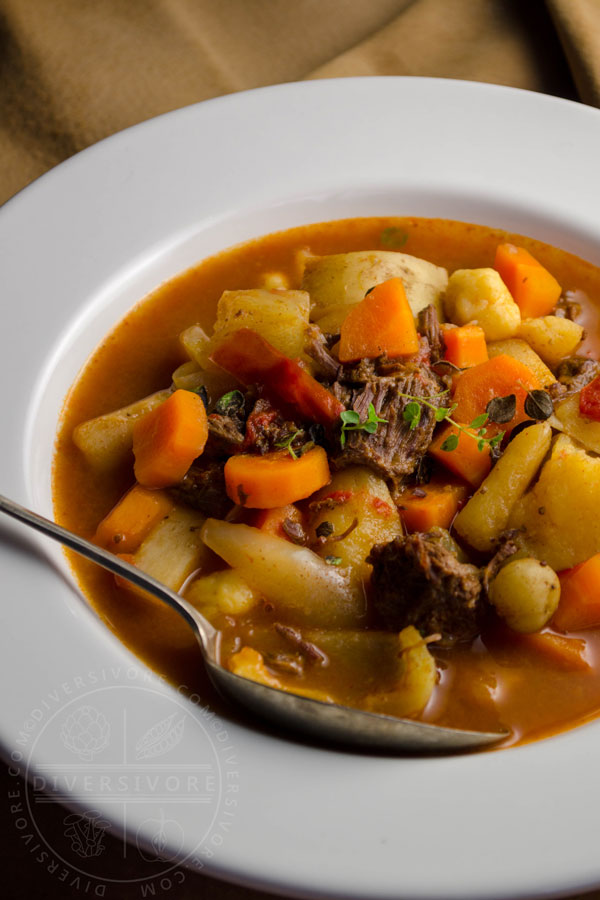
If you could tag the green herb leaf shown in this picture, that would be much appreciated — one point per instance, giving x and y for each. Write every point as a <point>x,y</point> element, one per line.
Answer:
<point>538,405</point>
<point>350,417</point>
<point>393,237</point>
<point>287,444</point>
<point>450,444</point>
<point>478,421</point>
<point>351,422</point>
<point>325,529</point>
<point>203,394</point>
<point>230,403</point>
<point>441,413</point>
<point>333,560</point>
<point>502,409</point>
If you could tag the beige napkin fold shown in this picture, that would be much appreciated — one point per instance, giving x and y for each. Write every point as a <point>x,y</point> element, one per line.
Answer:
<point>74,71</point>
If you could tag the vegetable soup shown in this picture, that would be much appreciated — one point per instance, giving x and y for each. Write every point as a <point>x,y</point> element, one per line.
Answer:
<point>369,452</point>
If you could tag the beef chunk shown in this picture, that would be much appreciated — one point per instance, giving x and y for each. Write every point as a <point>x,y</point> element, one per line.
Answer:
<point>226,432</point>
<point>418,581</point>
<point>395,449</point>
<point>429,327</point>
<point>573,374</point>
<point>266,427</point>
<point>203,488</point>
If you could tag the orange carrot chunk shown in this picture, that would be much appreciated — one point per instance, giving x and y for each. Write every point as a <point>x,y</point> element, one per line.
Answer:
<point>430,506</point>
<point>382,323</point>
<point>134,516</point>
<point>467,460</point>
<point>534,289</point>
<point>275,479</point>
<point>168,439</point>
<point>465,346</point>
<point>272,520</point>
<point>561,652</point>
<point>579,605</point>
<point>498,377</point>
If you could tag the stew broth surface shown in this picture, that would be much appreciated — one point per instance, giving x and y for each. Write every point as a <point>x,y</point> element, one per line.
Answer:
<point>489,683</point>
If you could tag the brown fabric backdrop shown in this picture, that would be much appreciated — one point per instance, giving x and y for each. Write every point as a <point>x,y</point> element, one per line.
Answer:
<point>75,71</point>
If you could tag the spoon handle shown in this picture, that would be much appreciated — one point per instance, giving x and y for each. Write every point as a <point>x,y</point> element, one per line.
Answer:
<point>202,627</point>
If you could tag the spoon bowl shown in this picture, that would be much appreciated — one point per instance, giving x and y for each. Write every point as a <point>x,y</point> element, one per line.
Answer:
<point>327,721</point>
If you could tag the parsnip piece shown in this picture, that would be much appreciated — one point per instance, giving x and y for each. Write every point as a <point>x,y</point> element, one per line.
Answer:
<point>106,440</point>
<point>344,278</point>
<point>299,583</point>
<point>174,548</point>
<point>224,592</point>
<point>486,514</point>
<point>560,512</point>
<point>480,296</point>
<point>370,506</point>
<point>521,351</point>
<point>188,376</point>
<point>551,337</point>
<point>281,317</point>
<point>567,418</point>
<point>525,593</point>
<point>416,680</point>
<point>197,345</point>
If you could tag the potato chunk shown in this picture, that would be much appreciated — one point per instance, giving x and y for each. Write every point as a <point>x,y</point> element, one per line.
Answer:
<point>521,350</point>
<point>417,678</point>
<point>222,592</point>
<point>480,296</point>
<point>567,418</point>
<point>551,337</point>
<point>279,316</point>
<point>486,514</point>
<point>107,440</point>
<point>367,505</point>
<point>302,587</point>
<point>560,512</point>
<point>198,347</point>
<point>344,278</point>
<point>525,593</point>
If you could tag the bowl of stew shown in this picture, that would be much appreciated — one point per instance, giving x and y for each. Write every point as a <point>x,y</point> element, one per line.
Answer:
<point>347,404</point>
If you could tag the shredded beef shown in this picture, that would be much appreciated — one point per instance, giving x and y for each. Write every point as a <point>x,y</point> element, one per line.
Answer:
<point>573,374</point>
<point>316,348</point>
<point>429,327</point>
<point>417,581</point>
<point>266,427</point>
<point>395,449</point>
<point>506,547</point>
<point>203,488</point>
<point>226,432</point>
<point>568,307</point>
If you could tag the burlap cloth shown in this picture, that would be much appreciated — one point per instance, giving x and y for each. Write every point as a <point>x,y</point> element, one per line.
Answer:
<point>75,71</point>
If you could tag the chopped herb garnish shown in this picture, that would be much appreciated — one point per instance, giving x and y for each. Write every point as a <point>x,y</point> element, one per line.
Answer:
<point>229,404</point>
<point>325,529</point>
<point>351,422</point>
<point>393,237</point>
<point>413,411</point>
<point>502,409</point>
<point>538,405</point>
<point>286,444</point>
<point>333,560</point>
<point>316,433</point>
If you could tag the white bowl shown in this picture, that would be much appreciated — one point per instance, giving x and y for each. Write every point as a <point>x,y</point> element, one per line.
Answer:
<point>91,238</point>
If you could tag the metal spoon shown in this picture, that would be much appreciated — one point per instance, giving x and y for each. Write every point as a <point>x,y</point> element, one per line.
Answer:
<point>352,727</point>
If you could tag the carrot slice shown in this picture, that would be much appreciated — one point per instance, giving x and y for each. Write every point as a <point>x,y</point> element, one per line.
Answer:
<point>275,479</point>
<point>430,506</point>
<point>134,516</point>
<point>168,439</point>
<point>579,606</point>
<point>465,346</point>
<point>498,377</point>
<point>272,520</point>
<point>382,323</point>
<point>467,460</point>
<point>563,652</point>
<point>534,289</point>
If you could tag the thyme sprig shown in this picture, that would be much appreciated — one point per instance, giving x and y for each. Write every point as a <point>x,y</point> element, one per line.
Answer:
<point>413,411</point>
<point>351,422</point>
